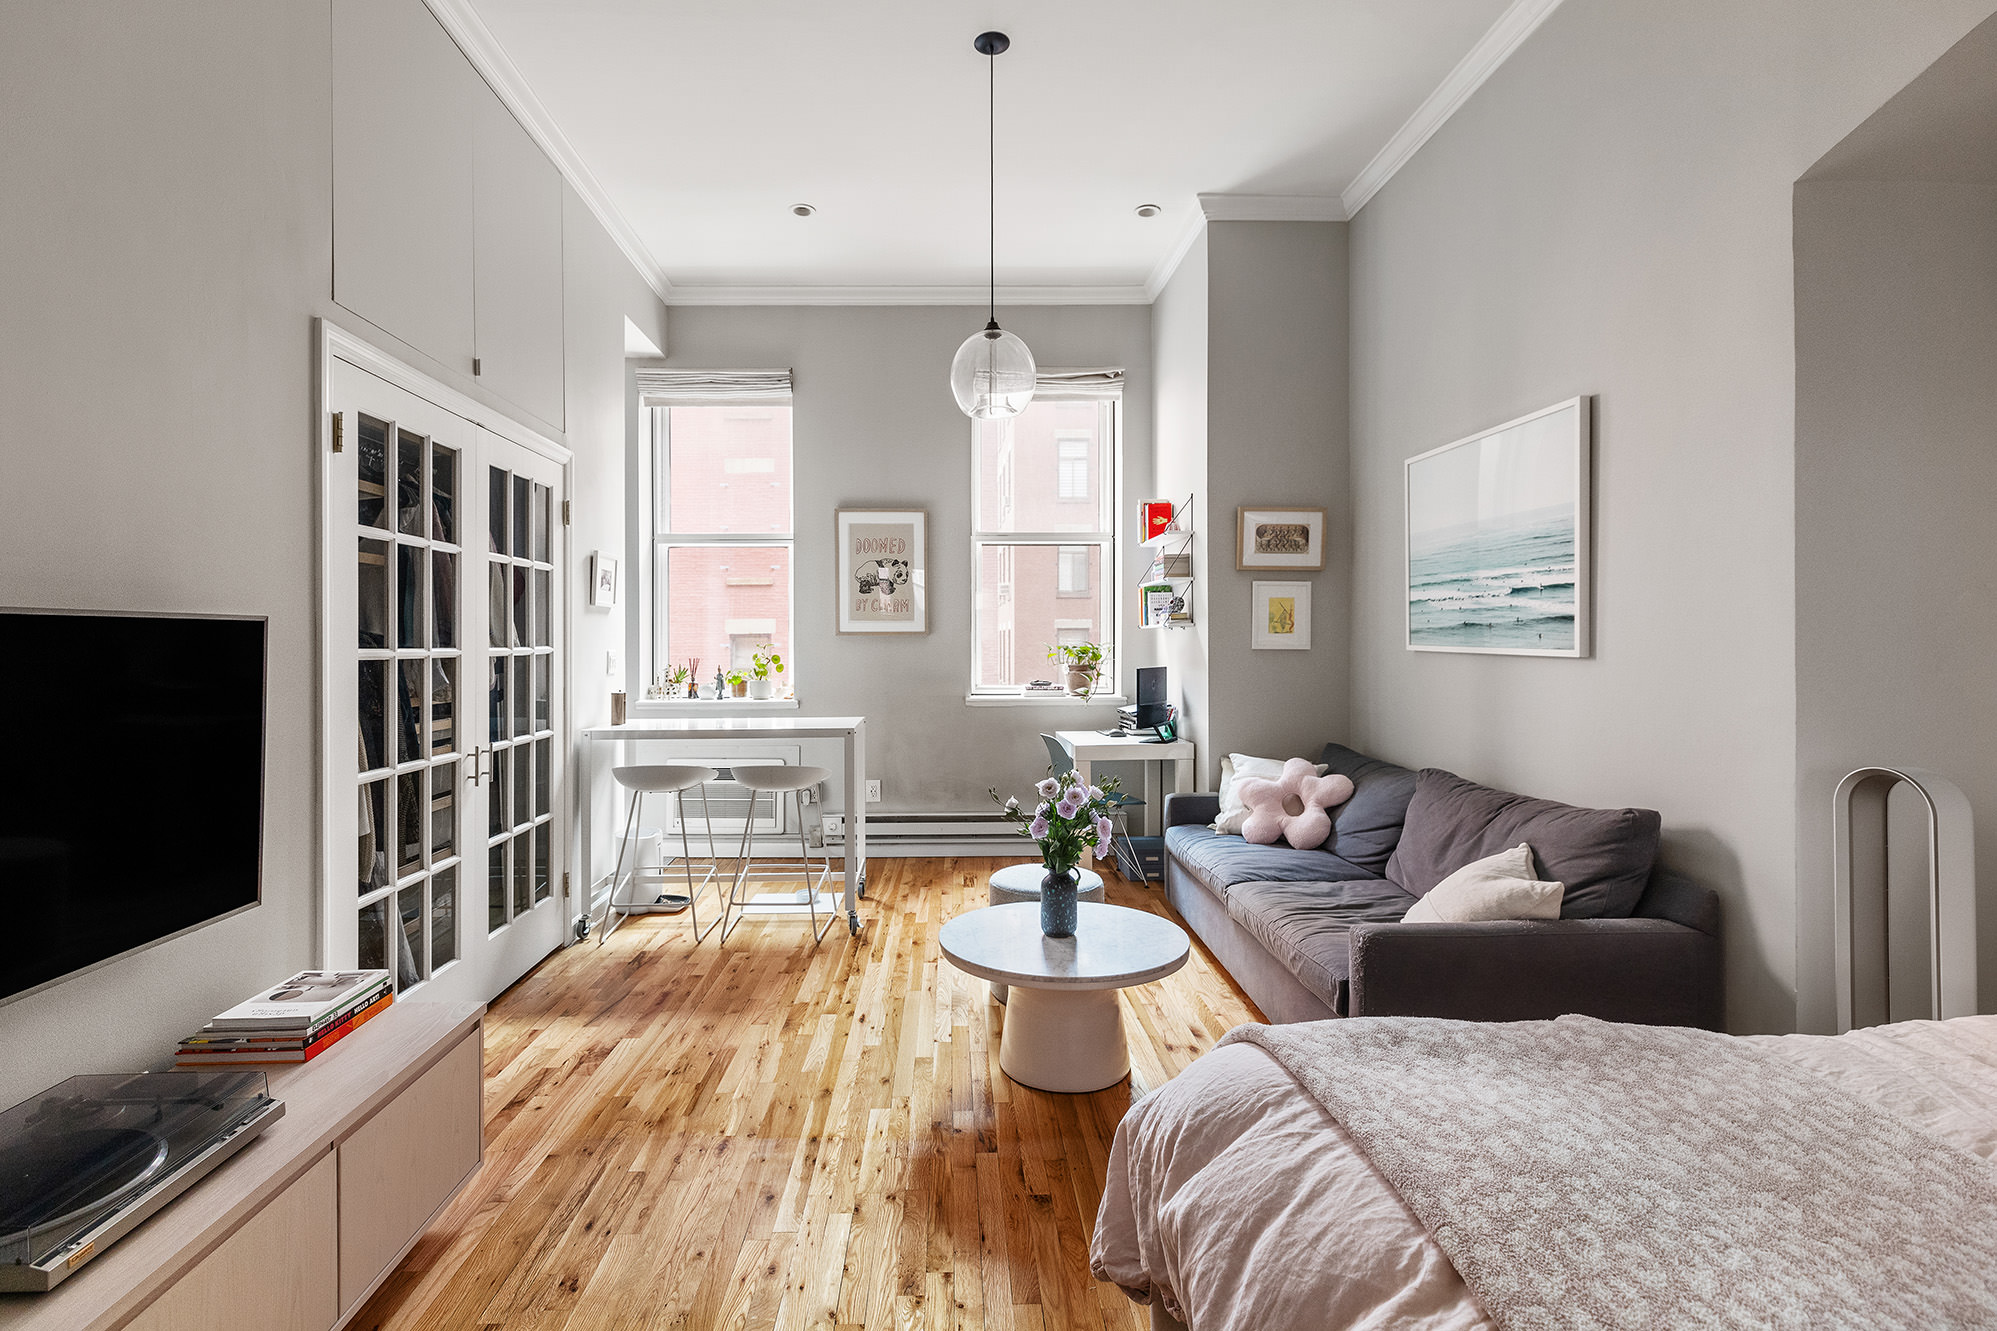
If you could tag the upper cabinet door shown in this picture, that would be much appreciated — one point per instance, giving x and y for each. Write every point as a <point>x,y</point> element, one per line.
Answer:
<point>404,103</point>
<point>517,219</point>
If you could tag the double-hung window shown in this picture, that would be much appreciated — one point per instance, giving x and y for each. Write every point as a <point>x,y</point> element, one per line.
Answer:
<point>1044,548</point>
<point>721,576</point>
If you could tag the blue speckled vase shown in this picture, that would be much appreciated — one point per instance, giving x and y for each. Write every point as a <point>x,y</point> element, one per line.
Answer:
<point>1057,903</point>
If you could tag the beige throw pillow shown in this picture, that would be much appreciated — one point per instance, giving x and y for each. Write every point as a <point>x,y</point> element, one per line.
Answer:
<point>1498,887</point>
<point>1234,768</point>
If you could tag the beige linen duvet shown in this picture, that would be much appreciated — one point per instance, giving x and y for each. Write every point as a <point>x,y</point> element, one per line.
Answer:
<point>1238,1204</point>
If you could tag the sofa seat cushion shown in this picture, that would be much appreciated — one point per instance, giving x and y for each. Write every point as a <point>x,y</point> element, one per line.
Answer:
<point>1365,829</point>
<point>1219,862</point>
<point>1604,856</point>
<point>1306,925</point>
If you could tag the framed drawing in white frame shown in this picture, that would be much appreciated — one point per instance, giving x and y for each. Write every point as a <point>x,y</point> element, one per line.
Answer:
<point>1498,549</point>
<point>1279,538</point>
<point>1280,616</point>
<point>602,579</point>
<point>882,570</point>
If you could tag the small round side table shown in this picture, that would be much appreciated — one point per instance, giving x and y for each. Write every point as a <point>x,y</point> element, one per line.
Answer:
<point>1021,882</point>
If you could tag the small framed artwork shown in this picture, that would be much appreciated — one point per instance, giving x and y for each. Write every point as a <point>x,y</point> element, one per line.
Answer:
<point>1281,619</point>
<point>882,570</point>
<point>602,579</point>
<point>1290,538</point>
<point>1498,538</point>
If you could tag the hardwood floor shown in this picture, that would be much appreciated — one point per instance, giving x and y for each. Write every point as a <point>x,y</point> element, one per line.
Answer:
<point>771,1135</point>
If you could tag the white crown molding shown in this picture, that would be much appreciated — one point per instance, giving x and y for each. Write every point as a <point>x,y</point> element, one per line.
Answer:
<point>1240,208</point>
<point>1492,50</point>
<point>684,294</point>
<point>1272,208</point>
<point>489,58</point>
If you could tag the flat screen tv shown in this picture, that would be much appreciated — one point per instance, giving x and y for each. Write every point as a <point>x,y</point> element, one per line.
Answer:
<point>131,785</point>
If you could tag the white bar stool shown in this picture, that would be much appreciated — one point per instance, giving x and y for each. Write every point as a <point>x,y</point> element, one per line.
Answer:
<point>776,781</point>
<point>663,780</point>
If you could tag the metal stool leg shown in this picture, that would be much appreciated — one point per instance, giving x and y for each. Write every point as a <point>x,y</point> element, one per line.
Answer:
<point>610,901</point>
<point>741,872</point>
<point>810,887</point>
<point>686,863</point>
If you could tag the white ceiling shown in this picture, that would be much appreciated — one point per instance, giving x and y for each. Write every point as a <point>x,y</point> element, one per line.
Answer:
<point>704,120</point>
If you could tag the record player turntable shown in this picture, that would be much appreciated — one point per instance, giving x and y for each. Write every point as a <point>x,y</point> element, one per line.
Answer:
<point>82,1163</point>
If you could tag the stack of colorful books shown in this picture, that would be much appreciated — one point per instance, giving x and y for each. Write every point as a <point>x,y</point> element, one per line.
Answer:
<point>289,1023</point>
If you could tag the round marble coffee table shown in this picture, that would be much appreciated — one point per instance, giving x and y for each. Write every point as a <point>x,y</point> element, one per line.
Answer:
<point>1021,882</point>
<point>1063,1027</point>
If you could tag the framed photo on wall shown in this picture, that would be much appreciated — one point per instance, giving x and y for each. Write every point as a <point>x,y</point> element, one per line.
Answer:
<point>883,570</point>
<point>1290,538</point>
<point>1498,538</point>
<point>1280,616</point>
<point>602,579</point>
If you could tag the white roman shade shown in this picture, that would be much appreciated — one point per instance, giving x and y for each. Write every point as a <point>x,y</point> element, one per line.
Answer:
<point>1073,385</point>
<point>665,388</point>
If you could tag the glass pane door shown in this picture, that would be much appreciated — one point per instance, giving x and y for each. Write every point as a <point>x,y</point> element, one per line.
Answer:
<point>423,505</point>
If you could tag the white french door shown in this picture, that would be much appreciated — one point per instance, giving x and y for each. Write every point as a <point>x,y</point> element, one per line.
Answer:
<point>444,674</point>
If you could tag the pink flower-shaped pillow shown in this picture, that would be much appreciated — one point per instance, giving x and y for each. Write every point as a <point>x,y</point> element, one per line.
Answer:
<point>1293,806</point>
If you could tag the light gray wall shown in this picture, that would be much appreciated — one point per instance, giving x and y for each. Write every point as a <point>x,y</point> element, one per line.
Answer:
<point>167,220</point>
<point>1179,364</point>
<point>1896,485</point>
<point>1610,214</point>
<point>874,424</point>
<point>1277,414</point>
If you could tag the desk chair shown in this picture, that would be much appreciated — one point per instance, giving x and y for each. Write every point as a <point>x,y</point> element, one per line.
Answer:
<point>662,780</point>
<point>1060,763</point>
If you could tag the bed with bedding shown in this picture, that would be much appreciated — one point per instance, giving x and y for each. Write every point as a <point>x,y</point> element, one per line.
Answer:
<point>1405,1172</point>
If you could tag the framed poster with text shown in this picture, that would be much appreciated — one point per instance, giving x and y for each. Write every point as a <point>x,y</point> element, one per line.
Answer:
<point>883,570</point>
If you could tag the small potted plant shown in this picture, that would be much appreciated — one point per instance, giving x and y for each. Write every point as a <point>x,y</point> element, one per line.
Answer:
<point>676,681</point>
<point>1083,662</point>
<point>1070,819</point>
<point>762,665</point>
<point>738,684</point>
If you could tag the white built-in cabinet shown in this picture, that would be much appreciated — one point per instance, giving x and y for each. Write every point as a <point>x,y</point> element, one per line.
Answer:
<point>296,1231</point>
<point>447,217</point>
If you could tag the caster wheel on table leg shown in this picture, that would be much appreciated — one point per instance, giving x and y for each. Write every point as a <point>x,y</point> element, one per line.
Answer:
<point>853,923</point>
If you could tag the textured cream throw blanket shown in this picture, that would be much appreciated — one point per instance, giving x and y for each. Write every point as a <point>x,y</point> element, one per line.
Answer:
<point>1584,1174</point>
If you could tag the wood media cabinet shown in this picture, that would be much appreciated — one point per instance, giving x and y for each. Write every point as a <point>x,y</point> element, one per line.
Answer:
<point>295,1232</point>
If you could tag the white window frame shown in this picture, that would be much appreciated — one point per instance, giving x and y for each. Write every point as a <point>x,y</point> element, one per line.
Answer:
<point>1110,594</point>
<point>1072,559</point>
<point>1063,471</point>
<point>658,425</point>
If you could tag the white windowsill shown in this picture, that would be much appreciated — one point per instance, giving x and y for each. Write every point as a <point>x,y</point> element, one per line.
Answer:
<point>1042,700</point>
<point>695,706</point>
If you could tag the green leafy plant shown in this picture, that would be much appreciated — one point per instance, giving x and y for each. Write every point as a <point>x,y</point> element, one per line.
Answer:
<point>766,662</point>
<point>677,677</point>
<point>1069,819</point>
<point>1080,658</point>
<point>737,678</point>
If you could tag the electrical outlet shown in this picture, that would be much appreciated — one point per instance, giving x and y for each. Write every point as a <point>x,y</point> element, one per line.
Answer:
<point>610,663</point>
<point>873,792</point>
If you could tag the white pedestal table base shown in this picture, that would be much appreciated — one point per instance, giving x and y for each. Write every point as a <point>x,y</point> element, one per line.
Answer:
<point>1066,1040</point>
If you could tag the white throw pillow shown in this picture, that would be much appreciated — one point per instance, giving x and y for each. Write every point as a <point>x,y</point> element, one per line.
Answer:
<point>1498,887</point>
<point>1235,768</point>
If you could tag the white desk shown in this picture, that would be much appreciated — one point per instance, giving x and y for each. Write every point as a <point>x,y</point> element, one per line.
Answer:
<point>851,729</point>
<point>1088,747</point>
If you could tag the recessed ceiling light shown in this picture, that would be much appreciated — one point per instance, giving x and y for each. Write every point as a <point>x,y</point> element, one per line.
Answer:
<point>802,209</point>
<point>1148,210</point>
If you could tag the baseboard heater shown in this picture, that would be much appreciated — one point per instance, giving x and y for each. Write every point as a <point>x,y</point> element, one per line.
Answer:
<point>891,835</point>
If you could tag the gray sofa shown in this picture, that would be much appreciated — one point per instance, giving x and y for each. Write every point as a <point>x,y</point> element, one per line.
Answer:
<point>1310,934</point>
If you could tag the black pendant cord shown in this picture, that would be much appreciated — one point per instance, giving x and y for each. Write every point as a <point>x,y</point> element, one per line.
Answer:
<point>991,184</point>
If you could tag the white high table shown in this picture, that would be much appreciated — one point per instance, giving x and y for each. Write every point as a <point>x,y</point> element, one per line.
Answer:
<point>851,729</point>
<point>1063,1027</point>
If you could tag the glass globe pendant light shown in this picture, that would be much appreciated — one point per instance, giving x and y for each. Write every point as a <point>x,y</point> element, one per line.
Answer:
<point>993,374</point>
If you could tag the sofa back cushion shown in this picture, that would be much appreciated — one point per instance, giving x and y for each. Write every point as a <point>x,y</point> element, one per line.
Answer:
<point>1604,856</point>
<point>1365,829</point>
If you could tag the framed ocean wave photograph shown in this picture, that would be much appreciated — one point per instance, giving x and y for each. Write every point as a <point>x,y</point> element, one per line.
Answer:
<point>1498,540</point>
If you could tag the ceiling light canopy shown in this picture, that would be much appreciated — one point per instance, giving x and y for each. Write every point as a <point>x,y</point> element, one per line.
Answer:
<point>803,209</point>
<point>993,374</point>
